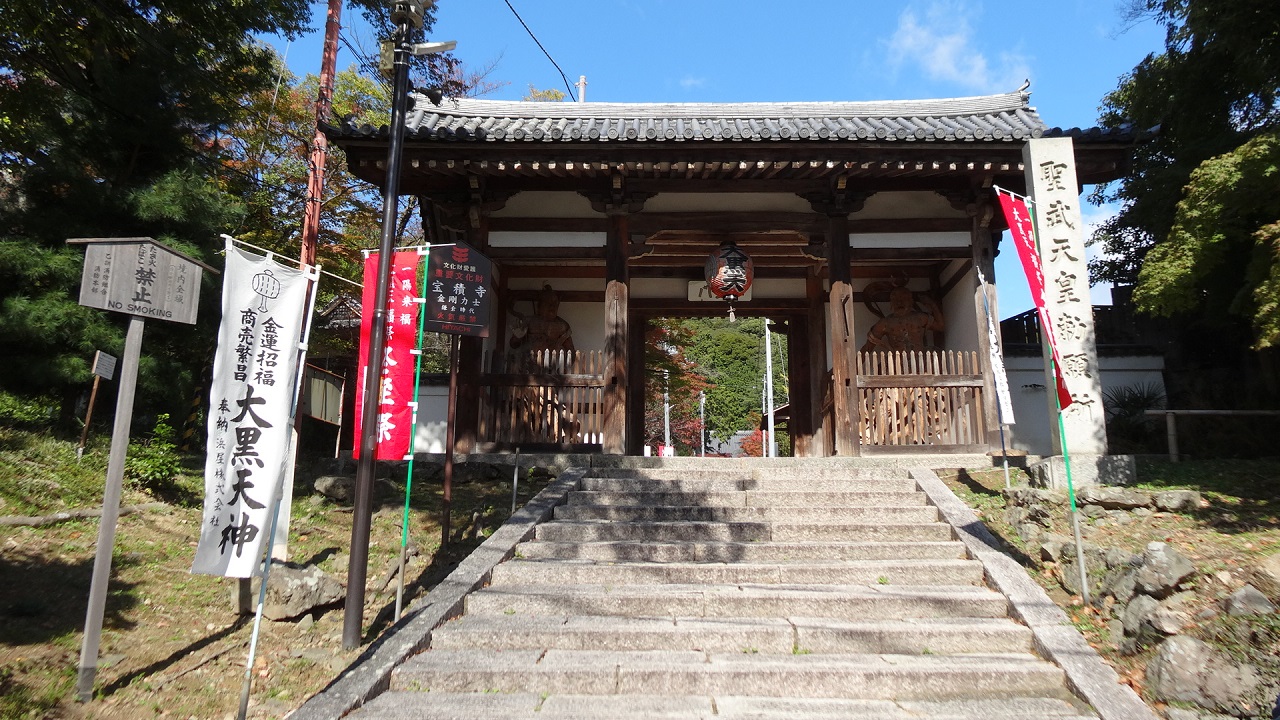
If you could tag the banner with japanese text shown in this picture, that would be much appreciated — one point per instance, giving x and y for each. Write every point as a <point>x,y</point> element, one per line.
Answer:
<point>395,402</point>
<point>1022,229</point>
<point>255,376</point>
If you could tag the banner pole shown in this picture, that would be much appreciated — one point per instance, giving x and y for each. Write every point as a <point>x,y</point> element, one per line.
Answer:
<point>515,481</point>
<point>413,432</point>
<point>1062,441</point>
<point>247,686</point>
<point>1004,452</point>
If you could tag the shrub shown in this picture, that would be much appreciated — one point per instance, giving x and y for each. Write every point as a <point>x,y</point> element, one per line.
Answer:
<point>154,463</point>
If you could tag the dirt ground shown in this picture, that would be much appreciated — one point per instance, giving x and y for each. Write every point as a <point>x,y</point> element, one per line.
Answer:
<point>173,644</point>
<point>1238,523</point>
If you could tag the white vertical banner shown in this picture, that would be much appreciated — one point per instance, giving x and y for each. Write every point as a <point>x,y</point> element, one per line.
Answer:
<point>998,373</point>
<point>250,410</point>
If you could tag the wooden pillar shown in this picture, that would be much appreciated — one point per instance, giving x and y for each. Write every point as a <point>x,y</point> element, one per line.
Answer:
<point>617,293</point>
<point>637,327</point>
<point>843,341</point>
<point>816,318</point>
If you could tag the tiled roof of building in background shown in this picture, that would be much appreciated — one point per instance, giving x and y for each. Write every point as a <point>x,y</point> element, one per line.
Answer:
<point>988,118</point>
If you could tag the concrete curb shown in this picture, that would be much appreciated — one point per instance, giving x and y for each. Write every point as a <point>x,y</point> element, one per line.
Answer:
<point>1054,636</point>
<point>370,674</point>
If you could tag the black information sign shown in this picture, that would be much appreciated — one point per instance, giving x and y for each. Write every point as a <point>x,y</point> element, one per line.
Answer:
<point>457,290</point>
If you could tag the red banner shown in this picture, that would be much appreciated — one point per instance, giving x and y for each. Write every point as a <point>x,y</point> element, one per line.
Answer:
<point>1022,228</point>
<point>395,410</point>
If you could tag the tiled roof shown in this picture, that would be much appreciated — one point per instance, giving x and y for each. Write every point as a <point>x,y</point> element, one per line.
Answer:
<point>988,118</point>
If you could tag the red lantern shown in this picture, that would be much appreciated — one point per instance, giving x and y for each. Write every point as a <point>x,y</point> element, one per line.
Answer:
<point>729,272</point>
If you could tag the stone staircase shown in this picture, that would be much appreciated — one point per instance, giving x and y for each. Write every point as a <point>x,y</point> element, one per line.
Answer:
<point>738,593</point>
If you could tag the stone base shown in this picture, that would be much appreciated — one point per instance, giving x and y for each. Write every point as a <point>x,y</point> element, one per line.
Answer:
<point>1085,470</point>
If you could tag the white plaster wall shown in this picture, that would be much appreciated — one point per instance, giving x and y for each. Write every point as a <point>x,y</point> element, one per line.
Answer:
<point>547,204</point>
<point>522,239</point>
<point>1030,404</point>
<point>727,202</point>
<point>907,204</point>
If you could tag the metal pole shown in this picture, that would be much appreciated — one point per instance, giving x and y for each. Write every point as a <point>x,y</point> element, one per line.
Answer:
<point>515,482</point>
<point>768,381</point>
<point>1171,434</point>
<point>666,408</point>
<point>110,511</point>
<point>702,419</point>
<point>413,436</point>
<point>358,565</point>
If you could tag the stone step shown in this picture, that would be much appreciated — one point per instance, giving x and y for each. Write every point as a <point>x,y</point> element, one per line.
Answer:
<point>749,498</point>
<point>779,636</point>
<point>667,552</point>
<point>852,572</point>
<point>722,484</point>
<point>628,513</point>
<point>590,531</point>
<point>436,705</point>
<point>864,677</point>
<point>883,602</point>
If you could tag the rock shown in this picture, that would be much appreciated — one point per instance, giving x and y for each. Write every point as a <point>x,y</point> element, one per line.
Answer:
<point>1113,498</point>
<point>1167,621</point>
<point>339,488</point>
<point>1093,511</point>
<point>1188,670</point>
<point>1051,549</point>
<point>294,590</point>
<point>1182,714</point>
<point>1137,614</point>
<point>1177,500</point>
<point>1249,601</point>
<point>1121,585</point>
<point>1142,512</point>
<point>1225,578</point>
<point>1266,576</point>
<point>1162,569</point>
<point>1030,533</point>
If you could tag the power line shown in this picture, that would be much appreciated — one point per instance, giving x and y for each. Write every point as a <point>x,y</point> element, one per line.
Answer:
<point>567,85</point>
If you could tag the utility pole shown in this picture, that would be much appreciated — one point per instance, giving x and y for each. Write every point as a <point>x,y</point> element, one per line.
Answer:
<point>320,143</point>
<point>407,16</point>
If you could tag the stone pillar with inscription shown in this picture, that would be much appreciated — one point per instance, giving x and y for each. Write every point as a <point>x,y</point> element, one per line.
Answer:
<point>1051,179</point>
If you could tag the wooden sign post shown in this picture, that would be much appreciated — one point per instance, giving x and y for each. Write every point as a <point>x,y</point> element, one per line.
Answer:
<point>142,278</point>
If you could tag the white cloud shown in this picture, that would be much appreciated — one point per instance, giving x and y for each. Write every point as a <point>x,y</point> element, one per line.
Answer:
<point>940,44</point>
<point>690,82</point>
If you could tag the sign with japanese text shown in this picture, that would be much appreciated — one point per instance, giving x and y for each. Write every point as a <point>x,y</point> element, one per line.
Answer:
<point>255,375</point>
<point>139,276</point>
<point>395,401</point>
<point>1050,167</point>
<point>458,291</point>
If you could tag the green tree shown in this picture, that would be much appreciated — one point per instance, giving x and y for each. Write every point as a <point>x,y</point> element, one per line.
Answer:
<point>548,95</point>
<point>150,119</point>
<point>1196,231</point>
<point>731,356</point>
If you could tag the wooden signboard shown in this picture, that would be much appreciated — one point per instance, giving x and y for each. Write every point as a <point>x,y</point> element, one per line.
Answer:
<point>457,290</point>
<point>139,276</point>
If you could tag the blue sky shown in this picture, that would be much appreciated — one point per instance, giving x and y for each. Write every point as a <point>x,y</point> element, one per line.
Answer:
<point>1073,51</point>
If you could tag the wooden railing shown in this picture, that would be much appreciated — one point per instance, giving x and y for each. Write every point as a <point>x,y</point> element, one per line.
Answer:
<point>928,401</point>
<point>545,398</point>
